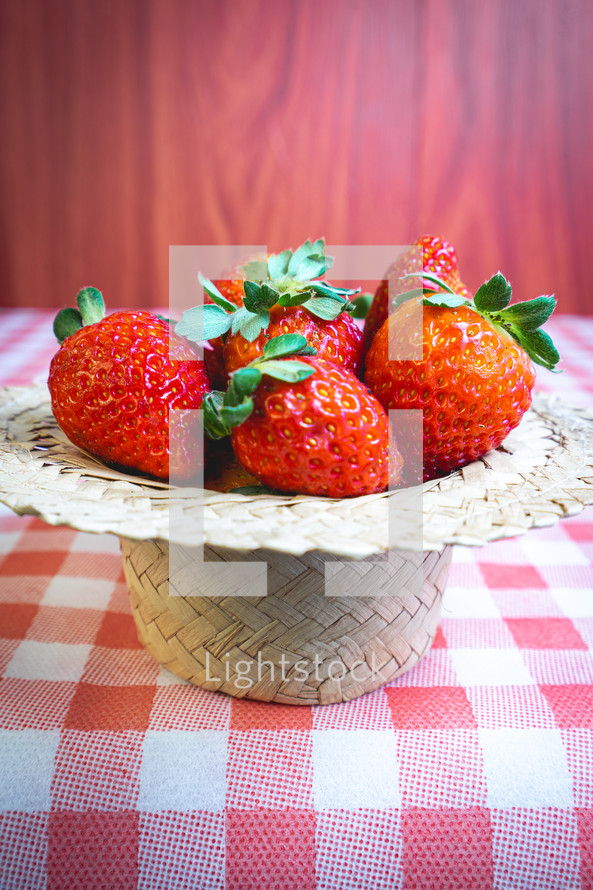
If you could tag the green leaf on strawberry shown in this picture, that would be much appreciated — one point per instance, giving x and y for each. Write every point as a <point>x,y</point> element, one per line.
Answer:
<point>285,345</point>
<point>324,307</point>
<point>255,270</point>
<point>428,276</point>
<point>292,280</point>
<point>285,369</point>
<point>249,324</point>
<point>539,347</point>
<point>259,297</point>
<point>493,295</point>
<point>361,306</point>
<point>297,299</point>
<point>531,314</point>
<point>278,263</point>
<point>204,323</point>
<point>223,411</point>
<point>91,309</point>
<point>91,305</point>
<point>450,301</point>
<point>66,323</point>
<point>215,295</point>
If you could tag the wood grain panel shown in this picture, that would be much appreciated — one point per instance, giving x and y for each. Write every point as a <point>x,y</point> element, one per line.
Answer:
<point>129,126</point>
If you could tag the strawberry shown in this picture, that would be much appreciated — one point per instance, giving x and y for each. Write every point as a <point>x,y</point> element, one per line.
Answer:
<point>291,299</point>
<point>305,426</point>
<point>231,284</point>
<point>438,257</point>
<point>338,340</point>
<point>113,381</point>
<point>223,470</point>
<point>474,381</point>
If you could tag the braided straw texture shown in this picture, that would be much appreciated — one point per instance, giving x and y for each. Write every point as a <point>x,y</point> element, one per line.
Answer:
<point>544,471</point>
<point>295,645</point>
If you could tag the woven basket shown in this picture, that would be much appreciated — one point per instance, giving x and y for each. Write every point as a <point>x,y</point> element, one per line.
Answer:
<point>294,645</point>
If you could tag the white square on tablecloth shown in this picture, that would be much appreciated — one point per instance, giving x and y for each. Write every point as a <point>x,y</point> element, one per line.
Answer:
<point>86,542</point>
<point>48,661</point>
<point>183,770</point>
<point>462,602</point>
<point>574,602</point>
<point>78,593</point>
<point>27,758</point>
<point>490,667</point>
<point>8,541</point>
<point>552,553</point>
<point>526,768</point>
<point>355,768</point>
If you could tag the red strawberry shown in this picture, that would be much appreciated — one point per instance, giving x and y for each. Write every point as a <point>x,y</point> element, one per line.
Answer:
<point>438,258</point>
<point>337,340</point>
<point>113,381</point>
<point>232,288</point>
<point>232,281</point>
<point>307,426</point>
<point>474,381</point>
<point>292,299</point>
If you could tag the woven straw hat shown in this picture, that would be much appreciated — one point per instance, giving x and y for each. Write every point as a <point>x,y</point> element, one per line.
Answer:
<point>332,647</point>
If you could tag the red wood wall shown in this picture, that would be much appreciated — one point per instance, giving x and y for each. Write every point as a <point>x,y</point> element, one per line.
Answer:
<point>130,125</point>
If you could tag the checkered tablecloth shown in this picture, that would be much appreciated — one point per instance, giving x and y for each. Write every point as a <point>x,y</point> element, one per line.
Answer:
<point>474,770</point>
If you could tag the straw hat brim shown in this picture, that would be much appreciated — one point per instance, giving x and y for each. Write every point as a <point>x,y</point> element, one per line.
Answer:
<point>543,471</point>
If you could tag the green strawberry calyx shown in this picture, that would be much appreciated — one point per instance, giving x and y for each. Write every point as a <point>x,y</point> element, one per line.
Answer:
<point>287,279</point>
<point>91,308</point>
<point>223,411</point>
<point>522,321</point>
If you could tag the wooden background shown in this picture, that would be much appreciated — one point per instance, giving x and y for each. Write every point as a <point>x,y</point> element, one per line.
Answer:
<point>130,125</point>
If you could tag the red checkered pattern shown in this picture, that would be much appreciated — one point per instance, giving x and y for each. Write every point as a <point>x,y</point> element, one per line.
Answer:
<point>474,770</point>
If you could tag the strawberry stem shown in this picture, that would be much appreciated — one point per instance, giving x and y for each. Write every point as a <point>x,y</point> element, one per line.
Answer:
<point>91,308</point>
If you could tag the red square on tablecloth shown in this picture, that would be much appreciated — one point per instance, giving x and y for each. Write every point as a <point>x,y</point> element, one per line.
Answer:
<point>545,633</point>
<point>448,849</point>
<point>269,849</point>
<point>118,631</point>
<point>32,562</point>
<point>585,830</point>
<point>41,536</point>
<point>15,619</point>
<point>92,851</point>
<point>439,707</point>
<point>579,531</point>
<point>24,589</point>
<point>439,640</point>
<point>572,705</point>
<point>110,707</point>
<point>513,576</point>
<point>264,715</point>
